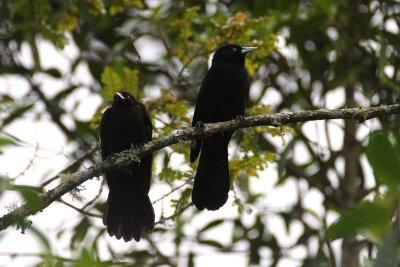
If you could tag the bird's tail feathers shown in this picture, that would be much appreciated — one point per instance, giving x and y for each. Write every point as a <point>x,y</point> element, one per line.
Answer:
<point>195,149</point>
<point>212,181</point>
<point>128,214</point>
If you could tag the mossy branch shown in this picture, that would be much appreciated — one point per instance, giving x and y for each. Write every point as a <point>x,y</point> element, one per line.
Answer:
<point>18,216</point>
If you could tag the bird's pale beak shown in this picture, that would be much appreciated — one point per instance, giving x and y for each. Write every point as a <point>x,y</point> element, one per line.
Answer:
<point>248,49</point>
<point>121,96</point>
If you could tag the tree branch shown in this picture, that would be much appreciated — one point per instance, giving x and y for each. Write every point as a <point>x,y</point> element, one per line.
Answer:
<point>19,215</point>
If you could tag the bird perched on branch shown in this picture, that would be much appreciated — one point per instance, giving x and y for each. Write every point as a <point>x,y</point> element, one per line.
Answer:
<point>128,213</point>
<point>222,97</point>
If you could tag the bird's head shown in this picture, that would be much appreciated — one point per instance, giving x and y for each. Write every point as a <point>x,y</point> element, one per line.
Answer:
<point>232,53</point>
<point>123,98</point>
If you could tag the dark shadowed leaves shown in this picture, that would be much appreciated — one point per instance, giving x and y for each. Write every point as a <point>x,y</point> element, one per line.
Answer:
<point>212,243</point>
<point>371,219</point>
<point>384,159</point>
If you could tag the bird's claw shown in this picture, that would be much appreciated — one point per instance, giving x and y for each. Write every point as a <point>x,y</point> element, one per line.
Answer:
<point>240,117</point>
<point>141,144</point>
<point>199,125</point>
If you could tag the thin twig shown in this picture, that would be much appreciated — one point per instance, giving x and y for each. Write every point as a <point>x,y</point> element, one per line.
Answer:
<point>95,197</point>
<point>86,155</point>
<point>30,164</point>
<point>172,191</point>
<point>78,209</point>
<point>164,259</point>
<point>172,216</point>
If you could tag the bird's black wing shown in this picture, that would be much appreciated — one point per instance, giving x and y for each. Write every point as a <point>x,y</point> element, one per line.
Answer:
<point>105,125</point>
<point>201,104</point>
<point>199,114</point>
<point>146,161</point>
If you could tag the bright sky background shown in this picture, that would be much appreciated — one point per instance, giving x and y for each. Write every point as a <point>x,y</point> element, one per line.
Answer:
<point>43,142</point>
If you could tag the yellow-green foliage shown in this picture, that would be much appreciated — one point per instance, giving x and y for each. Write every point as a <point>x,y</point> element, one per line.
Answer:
<point>250,164</point>
<point>70,20</point>
<point>37,16</point>
<point>96,7</point>
<point>115,80</point>
<point>119,6</point>
<point>175,110</point>
<point>258,109</point>
<point>239,28</point>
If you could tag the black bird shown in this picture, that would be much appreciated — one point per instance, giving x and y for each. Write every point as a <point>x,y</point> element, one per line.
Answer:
<point>128,213</point>
<point>222,97</point>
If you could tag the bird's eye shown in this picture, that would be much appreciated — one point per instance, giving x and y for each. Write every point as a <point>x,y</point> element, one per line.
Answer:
<point>234,49</point>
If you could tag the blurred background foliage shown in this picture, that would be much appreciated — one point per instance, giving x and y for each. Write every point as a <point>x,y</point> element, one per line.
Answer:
<point>312,54</point>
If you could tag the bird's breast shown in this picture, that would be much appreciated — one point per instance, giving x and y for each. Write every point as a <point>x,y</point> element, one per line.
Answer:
<point>128,129</point>
<point>224,95</point>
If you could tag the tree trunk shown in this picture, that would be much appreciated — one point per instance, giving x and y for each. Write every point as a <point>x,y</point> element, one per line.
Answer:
<point>350,182</point>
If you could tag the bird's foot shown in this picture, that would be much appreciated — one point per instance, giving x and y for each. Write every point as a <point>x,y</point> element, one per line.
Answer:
<point>141,144</point>
<point>199,125</point>
<point>240,117</point>
<point>108,159</point>
<point>138,145</point>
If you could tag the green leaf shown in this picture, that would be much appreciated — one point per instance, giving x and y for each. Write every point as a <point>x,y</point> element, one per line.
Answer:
<point>120,6</point>
<point>384,159</point>
<point>16,114</point>
<point>63,94</point>
<point>96,6</point>
<point>372,219</point>
<point>85,259</point>
<point>55,73</point>
<point>388,255</point>
<point>32,198</point>
<point>50,260</point>
<point>41,237</point>
<point>8,140</point>
<point>130,81</point>
<point>211,225</point>
<point>212,243</point>
<point>112,82</point>
<point>80,232</point>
